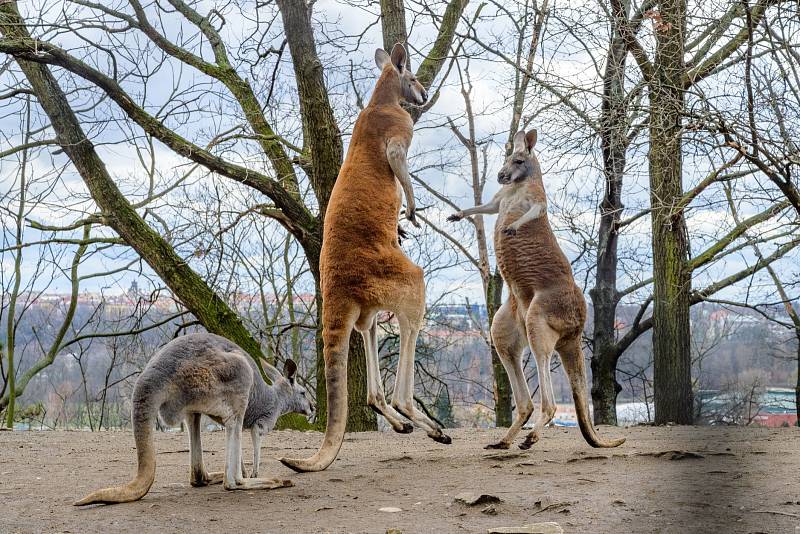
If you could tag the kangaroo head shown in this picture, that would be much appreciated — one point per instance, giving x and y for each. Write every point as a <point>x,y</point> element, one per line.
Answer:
<point>295,397</point>
<point>300,400</point>
<point>522,163</point>
<point>410,89</point>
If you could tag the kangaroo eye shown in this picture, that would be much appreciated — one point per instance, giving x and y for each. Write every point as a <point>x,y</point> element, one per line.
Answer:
<point>519,161</point>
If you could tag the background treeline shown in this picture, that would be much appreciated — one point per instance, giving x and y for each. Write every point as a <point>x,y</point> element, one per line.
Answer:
<point>89,385</point>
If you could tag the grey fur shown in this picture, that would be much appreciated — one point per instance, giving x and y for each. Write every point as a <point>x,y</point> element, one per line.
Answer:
<point>266,403</point>
<point>207,374</point>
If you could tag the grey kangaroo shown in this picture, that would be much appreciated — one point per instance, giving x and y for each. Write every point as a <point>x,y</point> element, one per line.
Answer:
<point>207,374</point>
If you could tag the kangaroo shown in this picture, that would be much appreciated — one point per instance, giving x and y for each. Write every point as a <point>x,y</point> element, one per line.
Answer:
<point>363,269</point>
<point>207,374</point>
<point>545,308</point>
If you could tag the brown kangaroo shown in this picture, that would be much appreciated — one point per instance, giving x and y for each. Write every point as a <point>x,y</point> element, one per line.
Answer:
<point>545,308</point>
<point>363,269</point>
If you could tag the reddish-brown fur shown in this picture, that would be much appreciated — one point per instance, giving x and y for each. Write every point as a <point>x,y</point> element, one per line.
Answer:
<point>545,308</point>
<point>362,262</point>
<point>363,269</point>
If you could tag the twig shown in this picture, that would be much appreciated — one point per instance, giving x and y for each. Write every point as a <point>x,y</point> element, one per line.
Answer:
<point>778,512</point>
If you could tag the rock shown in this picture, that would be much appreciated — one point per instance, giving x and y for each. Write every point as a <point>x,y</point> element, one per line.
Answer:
<point>549,527</point>
<point>471,499</point>
<point>390,509</point>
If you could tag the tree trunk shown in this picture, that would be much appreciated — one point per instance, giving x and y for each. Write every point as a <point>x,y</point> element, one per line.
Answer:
<point>502,385</point>
<point>797,383</point>
<point>12,298</point>
<point>360,417</point>
<point>393,23</point>
<point>671,275</point>
<point>613,139</point>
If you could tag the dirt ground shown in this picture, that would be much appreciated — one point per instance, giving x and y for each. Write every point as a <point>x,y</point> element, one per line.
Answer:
<point>737,480</point>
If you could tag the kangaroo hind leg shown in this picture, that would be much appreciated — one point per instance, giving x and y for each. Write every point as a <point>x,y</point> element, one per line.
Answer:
<point>199,476</point>
<point>509,340</point>
<point>376,398</point>
<point>233,479</point>
<point>410,317</point>
<point>542,339</point>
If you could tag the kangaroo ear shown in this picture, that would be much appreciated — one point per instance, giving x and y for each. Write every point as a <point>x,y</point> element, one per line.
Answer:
<point>519,142</point>
<point>273,374</point>
<point>530,139</point>
<point>289,369</point>
<point>399,57</point>
<point>381,58</point>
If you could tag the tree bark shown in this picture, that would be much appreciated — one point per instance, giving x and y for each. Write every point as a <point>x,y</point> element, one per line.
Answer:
<point>613,139</point>
<point>321,134</point>
<point>797,383</point>
<point>672,280</point>
<point>393,23</point>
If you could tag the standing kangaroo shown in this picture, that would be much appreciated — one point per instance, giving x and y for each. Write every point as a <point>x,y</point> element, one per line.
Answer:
<point>207,374</point>
<point>363,269</point>
<point>545,308</point>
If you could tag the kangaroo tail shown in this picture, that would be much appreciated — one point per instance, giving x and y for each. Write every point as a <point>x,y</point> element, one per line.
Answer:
<point>145,407</point>
<point>336,339</point>
<point>572,358</point>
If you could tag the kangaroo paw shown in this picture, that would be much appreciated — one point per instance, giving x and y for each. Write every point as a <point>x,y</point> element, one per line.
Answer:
<point>406,428</point>
<point>530,440</point>
<point>441,438</point>
<point>259,483</point>
<point>206,479</point>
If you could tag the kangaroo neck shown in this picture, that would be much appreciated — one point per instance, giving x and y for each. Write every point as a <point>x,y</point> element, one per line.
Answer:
<point>387,89</point>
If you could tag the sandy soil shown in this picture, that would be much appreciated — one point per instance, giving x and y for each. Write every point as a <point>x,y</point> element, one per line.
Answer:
<point>740,480</point>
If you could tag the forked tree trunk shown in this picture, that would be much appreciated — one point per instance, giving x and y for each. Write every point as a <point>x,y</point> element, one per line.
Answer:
<point>185,283</point>
<point>614,142</point>
<point>671,275</point>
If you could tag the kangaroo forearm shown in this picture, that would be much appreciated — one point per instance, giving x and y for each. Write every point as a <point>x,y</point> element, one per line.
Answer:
<point>536,211</point>
<point>396,154</point>
<point>486,209</point>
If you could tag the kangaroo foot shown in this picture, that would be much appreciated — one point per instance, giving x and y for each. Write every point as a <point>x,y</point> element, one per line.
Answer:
<point>258,483</point>
<point>207,479</point>
<point>440,437</point>
<point>530,440</point>
<point>406,428</point>
<point>502,445</point>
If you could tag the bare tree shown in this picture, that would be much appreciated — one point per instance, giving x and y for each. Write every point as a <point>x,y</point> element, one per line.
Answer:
<point>318,159</point>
